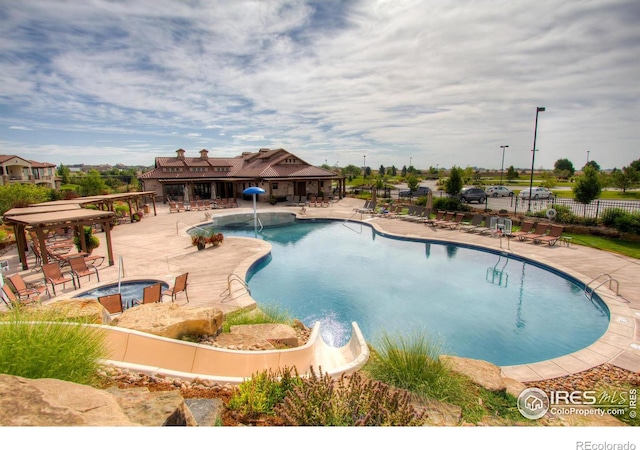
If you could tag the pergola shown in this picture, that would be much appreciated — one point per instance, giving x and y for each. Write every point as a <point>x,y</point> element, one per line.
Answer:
<point>41,219</point>
<point>107,201</point>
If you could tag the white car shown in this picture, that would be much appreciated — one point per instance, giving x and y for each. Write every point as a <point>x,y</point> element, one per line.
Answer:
<point>499,191</point>
<point>538,193</point>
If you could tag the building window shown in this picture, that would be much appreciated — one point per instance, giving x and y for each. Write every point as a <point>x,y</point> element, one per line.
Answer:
<point>275,186</point>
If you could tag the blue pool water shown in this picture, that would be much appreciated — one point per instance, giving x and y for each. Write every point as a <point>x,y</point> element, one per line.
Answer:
<point>128,289</point>
<point>478,304</point>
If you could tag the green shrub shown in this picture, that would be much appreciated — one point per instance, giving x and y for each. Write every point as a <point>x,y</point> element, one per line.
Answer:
<point>448,204</point>
<point>628,223</point>
<point>609,216</point>
<point>50,348</point>
<point>90,239</point>
<point>263,391</point>
<point>351,401</point>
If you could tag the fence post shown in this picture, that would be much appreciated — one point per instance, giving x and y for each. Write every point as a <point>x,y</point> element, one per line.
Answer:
<point>597,209</point>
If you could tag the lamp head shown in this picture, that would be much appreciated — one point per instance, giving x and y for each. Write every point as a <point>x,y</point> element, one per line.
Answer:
<point>541,108</point>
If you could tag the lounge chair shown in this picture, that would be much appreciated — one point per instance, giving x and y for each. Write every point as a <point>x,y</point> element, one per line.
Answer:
<point>367,203</point>
<point>455,223</point>
<point>181,207</point>
<point>411,212</point>
<point>112,303</point>
<point>325,202</point>
<point>12,301</point>
<point>449,216</point>
<point>526,228</point>
<point>79,268</point>
<point>552,237</point>
<point>475,222</point>
<point>485,227</point>
<point>539,231</point>
<point>24,291</point>
<point>54,276</point>
<point>173,207</point>
<point>180,285</point>
<point>150,294</point>
<point>419,215</point>
<point>440,215</point>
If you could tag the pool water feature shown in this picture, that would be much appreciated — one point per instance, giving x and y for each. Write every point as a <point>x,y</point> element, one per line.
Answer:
<point>130,290</point>
<point>478,304</point>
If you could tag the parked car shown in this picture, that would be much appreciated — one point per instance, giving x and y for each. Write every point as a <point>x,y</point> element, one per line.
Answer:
<point>420,191</point>
<point>472,195</point>
<point>499,191</point>
<point>538,192</point>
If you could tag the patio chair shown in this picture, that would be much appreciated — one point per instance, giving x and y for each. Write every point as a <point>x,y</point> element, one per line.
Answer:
<point>23,290</point>
<point>79,268</point>
<point>181,207</point>
<point>150,294</point>
<point>54,276</point>
<point>180,285</point>
<point>12,301</point>
<point>552,237</point>
<point>325,202</point>
<point>539,231</point>
<point>112,303</point>
<point>526,228</point>
<point>173,207</point>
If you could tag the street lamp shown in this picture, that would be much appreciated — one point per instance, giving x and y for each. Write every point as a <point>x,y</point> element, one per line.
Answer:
<point>533,154</point>
<point>502,167</point>
<point>364,168</point>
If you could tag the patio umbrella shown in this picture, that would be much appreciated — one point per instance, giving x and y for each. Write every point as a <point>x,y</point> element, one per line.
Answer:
<point>254,190</point>
<point>429,201</point>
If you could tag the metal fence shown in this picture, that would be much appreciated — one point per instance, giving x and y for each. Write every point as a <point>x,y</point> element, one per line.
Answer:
<point>595,209</point>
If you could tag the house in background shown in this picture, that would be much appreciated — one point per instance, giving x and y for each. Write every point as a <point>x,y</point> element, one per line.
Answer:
<point>281,174</point>
<point>14,169</point>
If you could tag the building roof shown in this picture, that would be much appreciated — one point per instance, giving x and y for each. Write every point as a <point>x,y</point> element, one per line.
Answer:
<point>4,158</point>
<point>266,163</point>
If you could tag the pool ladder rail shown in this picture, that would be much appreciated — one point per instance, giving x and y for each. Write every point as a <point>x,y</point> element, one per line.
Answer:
<point>609,279</point>
<point>231,278</point>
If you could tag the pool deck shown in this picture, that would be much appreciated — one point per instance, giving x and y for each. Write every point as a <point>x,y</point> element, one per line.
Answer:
<point>158,247</point>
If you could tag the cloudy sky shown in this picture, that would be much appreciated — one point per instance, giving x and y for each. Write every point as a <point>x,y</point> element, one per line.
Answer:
<point>427,82</point>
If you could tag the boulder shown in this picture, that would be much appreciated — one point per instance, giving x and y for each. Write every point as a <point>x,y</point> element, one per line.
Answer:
<point>49,402</point>
<point>153,409</point>
<point>171,320</point>
<point>276,334</point>
<point>481,372</point>
<point>77,310</point>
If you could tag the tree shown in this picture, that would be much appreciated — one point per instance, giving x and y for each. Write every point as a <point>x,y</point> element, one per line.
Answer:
<point>393,171</point>
<point>548,179</point>
<point>593,164</point>
<point>367,172</point>
<point>381,170</point>
<point>404,171</point>
<point>19,195</point>
<point>563,168</point>
<point>588,187</point>
<point>92,184</point>
<point>625,179</point>
<point>512,173</point>
<point>351,171</point>
<point>454,184</point>
<point>412,182</point>
<point>635,165</point>
<point>64,173</point>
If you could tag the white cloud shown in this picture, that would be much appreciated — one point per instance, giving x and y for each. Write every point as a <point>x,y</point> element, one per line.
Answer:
<point>443,82</point>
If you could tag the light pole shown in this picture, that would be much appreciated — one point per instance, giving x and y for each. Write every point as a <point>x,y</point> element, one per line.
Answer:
<point>364,168</point>
<point>533,154</point>
<point>410,161</point>
<point>502,167</point>
<point>587,156</point>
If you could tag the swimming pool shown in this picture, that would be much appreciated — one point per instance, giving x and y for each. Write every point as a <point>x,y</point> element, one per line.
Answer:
<point>479,304</point>
<point>130,289</point>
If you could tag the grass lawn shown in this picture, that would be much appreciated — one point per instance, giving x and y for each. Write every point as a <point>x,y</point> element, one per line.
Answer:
<point>627,248</point>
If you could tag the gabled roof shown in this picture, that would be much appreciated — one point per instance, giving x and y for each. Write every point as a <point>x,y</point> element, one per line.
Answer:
<point>5,158</point>
<point>265,163</point>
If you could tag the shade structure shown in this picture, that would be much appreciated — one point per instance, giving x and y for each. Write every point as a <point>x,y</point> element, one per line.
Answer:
<point>254,190</point>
